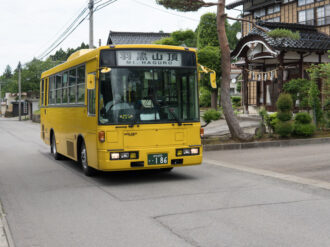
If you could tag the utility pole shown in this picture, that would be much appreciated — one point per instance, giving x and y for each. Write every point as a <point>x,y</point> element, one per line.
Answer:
<point>91,31</point>
<point>19,92</point>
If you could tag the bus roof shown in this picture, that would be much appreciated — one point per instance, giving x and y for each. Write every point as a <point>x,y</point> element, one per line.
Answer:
<point>85,55</point>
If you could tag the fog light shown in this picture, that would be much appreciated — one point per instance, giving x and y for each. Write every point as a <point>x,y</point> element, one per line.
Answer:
<point>179,152</point>
<point>133,156</point>
<point>194,151</point>
<point>124,155</point>
<point>114,156</point>
<point>186,151</point>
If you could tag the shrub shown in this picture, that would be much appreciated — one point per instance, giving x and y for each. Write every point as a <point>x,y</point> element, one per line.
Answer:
<point>303,118</point>
<point>284,102</point>
<point>284,116</point>
<point>284,33</point>
<point>236,101</point>
<point>284,129</point>
<point>211,115</point>
<point>304,129</point>
<point>204,97</point>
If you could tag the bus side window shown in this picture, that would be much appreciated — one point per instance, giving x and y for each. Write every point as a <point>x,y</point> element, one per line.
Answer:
<point>42,93</point>
<point>81,84</point>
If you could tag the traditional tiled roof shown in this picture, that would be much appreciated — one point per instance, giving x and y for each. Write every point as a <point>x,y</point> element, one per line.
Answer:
<point>310,38</point>
<point>134,37</point>
<point>234,4</point>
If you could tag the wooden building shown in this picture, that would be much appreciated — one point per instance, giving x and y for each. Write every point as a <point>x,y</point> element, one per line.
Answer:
<point>268,63</point>
<point>311,12</point>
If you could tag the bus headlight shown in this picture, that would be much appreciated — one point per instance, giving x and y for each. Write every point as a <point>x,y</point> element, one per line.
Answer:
<point>124,156</point>
<point>114,156</point>
<point>187,151</point>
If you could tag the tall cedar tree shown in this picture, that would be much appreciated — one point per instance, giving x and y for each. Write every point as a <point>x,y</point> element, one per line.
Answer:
<point>193,5</point>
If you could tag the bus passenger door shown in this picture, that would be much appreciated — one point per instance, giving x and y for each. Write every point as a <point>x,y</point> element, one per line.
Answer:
<point>91,135</point>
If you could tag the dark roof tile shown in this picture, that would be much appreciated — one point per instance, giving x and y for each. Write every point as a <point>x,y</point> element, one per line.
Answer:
<point>118,38</point>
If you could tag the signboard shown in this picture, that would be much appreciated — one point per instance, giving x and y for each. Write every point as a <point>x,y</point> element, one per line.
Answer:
<point>149,58</point>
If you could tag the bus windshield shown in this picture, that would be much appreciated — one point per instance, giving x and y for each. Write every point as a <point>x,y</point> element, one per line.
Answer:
<point>144,95</point>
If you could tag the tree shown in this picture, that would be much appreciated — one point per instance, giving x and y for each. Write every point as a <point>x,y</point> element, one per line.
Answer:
<point>180,38</point>
<point>207,34</point>
<point>193,5</point>
<point>8,73</point>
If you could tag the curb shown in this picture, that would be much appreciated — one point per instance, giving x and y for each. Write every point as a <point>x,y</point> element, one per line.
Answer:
<point>281,143</point>
<point>5,236</point>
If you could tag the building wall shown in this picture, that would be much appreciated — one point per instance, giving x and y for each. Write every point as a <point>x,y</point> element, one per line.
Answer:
<point>289,14</point>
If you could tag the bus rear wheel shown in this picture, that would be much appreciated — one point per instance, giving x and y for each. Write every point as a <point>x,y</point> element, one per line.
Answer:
<point>53,149</point>
<point>88,171</point>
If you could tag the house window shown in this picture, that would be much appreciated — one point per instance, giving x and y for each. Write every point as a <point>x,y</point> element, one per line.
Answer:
<point>288,1</point>
<point>273,9</point>
<point>259,13</point>
<point>306,16</point>
<point>275,19</point>
<point>323,15</point>
<point>304,2</point>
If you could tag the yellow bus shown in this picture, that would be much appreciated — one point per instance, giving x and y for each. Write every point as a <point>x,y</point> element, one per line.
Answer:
<point>123,107</point>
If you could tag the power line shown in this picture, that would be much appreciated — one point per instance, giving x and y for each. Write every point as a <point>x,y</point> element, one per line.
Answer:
<point>64,32</point>
<point>56,34</point>
<point>72,28</point>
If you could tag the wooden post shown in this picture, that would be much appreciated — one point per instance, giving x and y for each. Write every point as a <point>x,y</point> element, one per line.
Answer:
<point>245,86</point>
<point>301,65</point>
<point>280,73</point>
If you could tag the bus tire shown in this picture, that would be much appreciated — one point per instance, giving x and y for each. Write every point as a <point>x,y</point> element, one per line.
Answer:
<point>53,148</point>
<point>88,171</point>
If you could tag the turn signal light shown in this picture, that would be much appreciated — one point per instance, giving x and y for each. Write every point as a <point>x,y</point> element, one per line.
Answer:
<point>202,132</point>
<point>102,136</point>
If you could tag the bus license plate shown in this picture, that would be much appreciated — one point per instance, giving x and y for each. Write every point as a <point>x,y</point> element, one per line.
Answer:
<point>157,159</point>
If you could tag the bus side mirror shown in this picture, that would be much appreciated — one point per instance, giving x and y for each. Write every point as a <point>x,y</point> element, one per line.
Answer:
<point>91,81</point>
<point>213,80</point>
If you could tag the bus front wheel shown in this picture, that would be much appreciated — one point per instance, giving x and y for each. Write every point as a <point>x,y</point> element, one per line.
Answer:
<point>88,171</point>
<point>53,149</point>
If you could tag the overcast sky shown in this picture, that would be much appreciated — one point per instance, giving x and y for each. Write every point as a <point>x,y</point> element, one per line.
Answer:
<point>27,28</point>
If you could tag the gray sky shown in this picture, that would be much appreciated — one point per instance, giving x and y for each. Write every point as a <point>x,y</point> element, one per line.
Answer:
<point>27,28</point>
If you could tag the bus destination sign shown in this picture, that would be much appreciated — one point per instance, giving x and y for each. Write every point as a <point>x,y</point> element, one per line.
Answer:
<point>149,58</point>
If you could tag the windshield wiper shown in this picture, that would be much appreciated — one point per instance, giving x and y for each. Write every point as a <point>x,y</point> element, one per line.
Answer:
<point>171,110</point>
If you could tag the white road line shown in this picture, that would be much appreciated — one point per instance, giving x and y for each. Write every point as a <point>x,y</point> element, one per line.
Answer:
<point>286,177</point>
<point>5,236</point>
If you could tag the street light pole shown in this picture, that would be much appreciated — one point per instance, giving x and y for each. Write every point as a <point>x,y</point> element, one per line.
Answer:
<point>19,92</point>
<point>91,31</point>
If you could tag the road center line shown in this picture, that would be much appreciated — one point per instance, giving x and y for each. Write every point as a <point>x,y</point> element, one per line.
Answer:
<point>285,177</point>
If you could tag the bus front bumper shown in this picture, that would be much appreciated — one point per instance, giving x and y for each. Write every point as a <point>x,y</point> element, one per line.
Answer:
<point>143,160</point>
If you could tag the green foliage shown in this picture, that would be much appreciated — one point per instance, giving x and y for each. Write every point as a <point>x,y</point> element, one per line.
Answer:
<point>284,33</point>
<point>211,115</point>
<point>179,38</point>
<point>204,97</point>
<point>231,31</point>
<point>315,103</point>
<point>61,55</point>
<point>207,34</point>
<point>303,118</point>
<point>304,130</point>
<point>284,126</point>
<point>284,116</point>
<point>271,121</point>
<point>182,5</point>
<point>284,129</point>
<point>284,102</point>
<point>298,89</point>
<point>236,101</point>
<point>8,72</point>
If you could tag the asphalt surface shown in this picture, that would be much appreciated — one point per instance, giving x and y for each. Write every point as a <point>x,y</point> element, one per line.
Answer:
<point>51,203</point>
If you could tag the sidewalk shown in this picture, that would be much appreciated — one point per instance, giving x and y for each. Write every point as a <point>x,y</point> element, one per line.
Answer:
<point>220,127</point>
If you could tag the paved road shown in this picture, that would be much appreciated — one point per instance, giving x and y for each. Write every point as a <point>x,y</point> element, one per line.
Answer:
<point>50,203</point>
